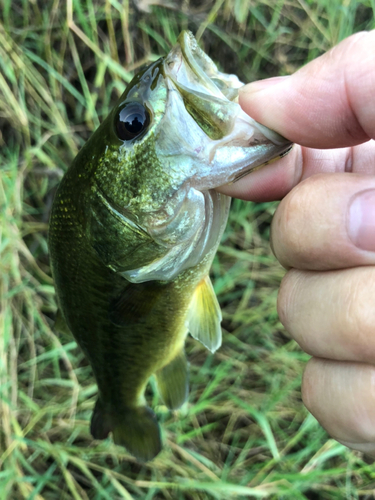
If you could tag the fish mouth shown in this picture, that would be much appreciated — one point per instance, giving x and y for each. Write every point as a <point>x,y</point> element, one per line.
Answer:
<point>236,144</point>
<point>205,75</point>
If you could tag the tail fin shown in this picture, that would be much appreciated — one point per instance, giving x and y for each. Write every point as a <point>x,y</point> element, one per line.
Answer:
<point>135,428</point>
<point>138,430</point>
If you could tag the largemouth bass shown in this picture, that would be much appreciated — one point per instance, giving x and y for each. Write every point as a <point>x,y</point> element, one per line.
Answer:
<point>134,228</point>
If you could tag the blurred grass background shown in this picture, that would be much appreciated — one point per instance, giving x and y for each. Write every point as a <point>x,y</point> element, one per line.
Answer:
<point>244,433</point>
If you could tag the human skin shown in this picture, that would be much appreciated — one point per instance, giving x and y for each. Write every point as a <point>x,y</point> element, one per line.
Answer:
<point>323,231</point>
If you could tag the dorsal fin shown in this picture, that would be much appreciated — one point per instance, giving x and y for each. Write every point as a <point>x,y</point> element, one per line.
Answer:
<point>204,316</point>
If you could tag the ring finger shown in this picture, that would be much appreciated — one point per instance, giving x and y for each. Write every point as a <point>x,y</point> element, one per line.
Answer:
<point>331,314</point>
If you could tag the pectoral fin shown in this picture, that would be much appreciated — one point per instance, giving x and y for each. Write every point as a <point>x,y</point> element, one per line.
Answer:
<point>204,316</point>
<point>135,301</point>
<point>173,382</point>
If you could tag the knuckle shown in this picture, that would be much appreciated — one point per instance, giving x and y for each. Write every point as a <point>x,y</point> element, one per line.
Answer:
<point>308,386</point>
<point>287,297</point>
<point>357,314</point>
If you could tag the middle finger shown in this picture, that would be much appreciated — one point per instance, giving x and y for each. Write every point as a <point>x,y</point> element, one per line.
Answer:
<point>327,222</point>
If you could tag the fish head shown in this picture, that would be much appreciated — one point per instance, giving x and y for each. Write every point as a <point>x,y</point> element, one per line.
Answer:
<point>175,134</point>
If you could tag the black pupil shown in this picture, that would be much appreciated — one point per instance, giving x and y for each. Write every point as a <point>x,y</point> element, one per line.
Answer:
<point>132,120</point>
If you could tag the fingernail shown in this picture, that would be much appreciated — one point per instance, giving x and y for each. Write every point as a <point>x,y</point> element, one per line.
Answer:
<point>262,84</point>
<point>361,224</point>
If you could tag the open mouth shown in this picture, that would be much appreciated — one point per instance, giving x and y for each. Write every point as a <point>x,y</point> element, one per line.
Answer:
<point>234,143</point>
<point>208,95</point>
<point>190,67</point>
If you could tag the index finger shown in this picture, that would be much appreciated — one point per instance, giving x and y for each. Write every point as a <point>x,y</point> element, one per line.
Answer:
<point>326,104</point>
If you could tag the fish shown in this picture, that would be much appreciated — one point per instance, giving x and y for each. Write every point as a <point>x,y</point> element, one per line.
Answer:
<point>134,227</point>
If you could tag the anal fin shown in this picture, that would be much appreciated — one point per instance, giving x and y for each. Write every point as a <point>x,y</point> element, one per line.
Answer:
<point>173,382</point>
<point>204,316</point>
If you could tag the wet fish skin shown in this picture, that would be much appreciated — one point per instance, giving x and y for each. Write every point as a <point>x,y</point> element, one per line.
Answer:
<point>134,227</point>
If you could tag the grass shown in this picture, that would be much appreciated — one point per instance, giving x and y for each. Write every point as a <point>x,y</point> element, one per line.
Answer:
<point>244,432</point>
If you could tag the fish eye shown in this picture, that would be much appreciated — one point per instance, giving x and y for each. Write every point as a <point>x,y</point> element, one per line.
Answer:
<point>131,121</point>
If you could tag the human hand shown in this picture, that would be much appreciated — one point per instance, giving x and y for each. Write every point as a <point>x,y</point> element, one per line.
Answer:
<point>323,231</point>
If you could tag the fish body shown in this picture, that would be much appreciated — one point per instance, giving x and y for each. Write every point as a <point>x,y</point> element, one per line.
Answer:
<point>134,228</point>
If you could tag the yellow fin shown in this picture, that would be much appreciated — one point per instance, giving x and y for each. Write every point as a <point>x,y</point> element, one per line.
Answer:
<point>204,316</point>
<point>173,382</point>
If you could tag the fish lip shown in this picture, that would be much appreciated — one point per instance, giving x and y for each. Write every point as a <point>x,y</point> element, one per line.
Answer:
<point>186,50</point>
<point>188,45</point>
<point>245,172</point>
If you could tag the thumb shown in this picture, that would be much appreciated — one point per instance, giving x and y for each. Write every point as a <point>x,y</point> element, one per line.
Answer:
<point>328,103</point>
